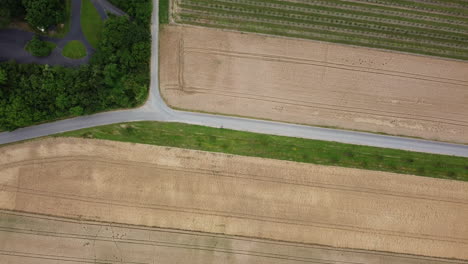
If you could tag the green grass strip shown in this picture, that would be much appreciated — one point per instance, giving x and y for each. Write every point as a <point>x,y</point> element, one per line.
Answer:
<point>91,23</point>
<point>164,11</point>
<point>74,50</point>
<point>282,148</point>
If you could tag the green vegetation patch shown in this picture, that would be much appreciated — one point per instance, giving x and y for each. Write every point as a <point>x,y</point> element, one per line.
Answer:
<point>61,32</point>
<point>40,48</point>
<point>164,11</point>
<point>91,23</point>
<point>42,14</point>
<point>282,148</point>
<point>74,50</point>
<point>438,29</point>
<point>117,76</point>
<point>5,17</point>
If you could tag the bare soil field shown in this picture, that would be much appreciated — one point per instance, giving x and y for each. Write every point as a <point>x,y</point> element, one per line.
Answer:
<point>38,239</point>
<point>233,195</point>
<point>316,83</point>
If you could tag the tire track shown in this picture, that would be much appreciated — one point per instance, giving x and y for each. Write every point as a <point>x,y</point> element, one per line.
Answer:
<point>60,258</point>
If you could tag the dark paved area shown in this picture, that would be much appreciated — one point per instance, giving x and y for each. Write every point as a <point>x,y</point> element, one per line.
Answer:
<point>13,41</point>
<point>104,7</point>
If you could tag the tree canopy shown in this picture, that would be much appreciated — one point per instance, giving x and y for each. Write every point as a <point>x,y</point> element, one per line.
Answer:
<point>44,13</point>
<point>3,77</point>
<point>39,48</point>
<point>15,7</point>
<point>117,77</point>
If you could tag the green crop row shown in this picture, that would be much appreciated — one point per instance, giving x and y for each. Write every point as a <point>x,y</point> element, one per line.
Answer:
<point>303,21</point>
<point>336,14</point>
<point>322,35</point>
<point>347,25</point>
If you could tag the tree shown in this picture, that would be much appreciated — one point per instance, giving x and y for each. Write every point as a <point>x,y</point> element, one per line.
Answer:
<point>38,47</point>
<point>44,13</point>
<point>3,77</point>
<point>76,111</point>
<point>13,7</point>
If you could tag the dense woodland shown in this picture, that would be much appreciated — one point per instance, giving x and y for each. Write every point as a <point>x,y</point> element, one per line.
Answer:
<point>38,13</point>
<point>116,77</point>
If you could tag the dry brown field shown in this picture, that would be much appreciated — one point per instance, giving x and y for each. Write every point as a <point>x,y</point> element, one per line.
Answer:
<point>315,83</point>
<point>39,239</point>
<point>233,195</point>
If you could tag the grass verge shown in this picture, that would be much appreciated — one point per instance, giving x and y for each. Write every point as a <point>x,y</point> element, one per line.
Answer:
<point>164,11</point>
<point>282,148</point>
<point>91,23</point>
<point>74,50</point>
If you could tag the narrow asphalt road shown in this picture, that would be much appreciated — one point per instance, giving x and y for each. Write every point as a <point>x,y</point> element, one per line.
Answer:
<point>103,7</point>
<point>155,109</point>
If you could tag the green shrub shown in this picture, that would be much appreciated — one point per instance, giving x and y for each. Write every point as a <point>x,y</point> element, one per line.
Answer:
<point>39,48</point>
<point>3,77</point>
<point>4,17</point>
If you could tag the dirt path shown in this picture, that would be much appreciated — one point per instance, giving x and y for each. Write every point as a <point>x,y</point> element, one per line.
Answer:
<point>233,195</point>
<point>314,83</point>
<point>38,239</point>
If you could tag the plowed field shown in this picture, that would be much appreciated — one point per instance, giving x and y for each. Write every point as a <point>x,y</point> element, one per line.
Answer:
<point>314,83</point>
<point>233,195</point>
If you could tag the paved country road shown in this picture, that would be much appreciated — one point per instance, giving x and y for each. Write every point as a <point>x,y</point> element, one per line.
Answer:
<point>155,109</point>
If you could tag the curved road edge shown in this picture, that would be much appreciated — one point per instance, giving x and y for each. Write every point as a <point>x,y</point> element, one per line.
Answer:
<point>155,109</point>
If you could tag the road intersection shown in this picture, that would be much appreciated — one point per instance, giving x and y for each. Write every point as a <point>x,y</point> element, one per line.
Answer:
<point>155,109</point>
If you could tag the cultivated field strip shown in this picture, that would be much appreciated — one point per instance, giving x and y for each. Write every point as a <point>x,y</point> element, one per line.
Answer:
<point>445,3</point>
<point>319,15</point>
<point>258,177</point>
<point>380,24</point>
<point>45,234</point>
<point>314,83</point>
<point>209,192</point>
<point>415,5</point>
<point>302,102</point>
<point>315,26</point>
